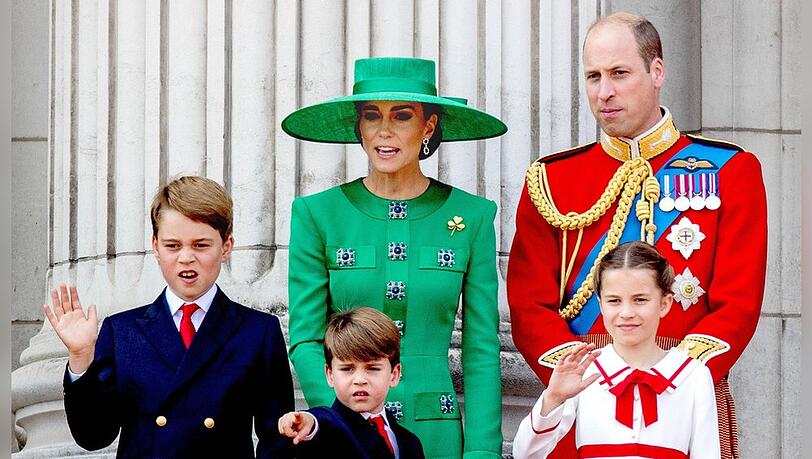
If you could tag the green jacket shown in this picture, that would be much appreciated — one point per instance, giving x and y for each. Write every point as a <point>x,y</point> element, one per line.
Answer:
<point>350,248</point>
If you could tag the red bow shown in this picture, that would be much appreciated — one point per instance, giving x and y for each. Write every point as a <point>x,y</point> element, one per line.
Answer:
<point>649,386</point>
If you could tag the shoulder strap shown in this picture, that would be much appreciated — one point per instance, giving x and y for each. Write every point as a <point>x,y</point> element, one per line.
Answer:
<point>714,142</point>
<point>565,153</point>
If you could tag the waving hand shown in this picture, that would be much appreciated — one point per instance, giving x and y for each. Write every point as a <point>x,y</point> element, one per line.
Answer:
<point>76,331</point>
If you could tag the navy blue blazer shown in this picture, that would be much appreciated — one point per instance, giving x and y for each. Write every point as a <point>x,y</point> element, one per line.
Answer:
<point>235,373</point>
<point>346,434</point>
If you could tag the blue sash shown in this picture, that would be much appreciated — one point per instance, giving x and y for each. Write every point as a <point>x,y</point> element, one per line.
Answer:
<point>583,322</point>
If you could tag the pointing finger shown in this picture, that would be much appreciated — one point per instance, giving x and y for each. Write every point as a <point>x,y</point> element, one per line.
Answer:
<point>300,437</point>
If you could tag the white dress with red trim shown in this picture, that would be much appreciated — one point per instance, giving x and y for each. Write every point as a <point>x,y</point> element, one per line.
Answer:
<point>668,411</point>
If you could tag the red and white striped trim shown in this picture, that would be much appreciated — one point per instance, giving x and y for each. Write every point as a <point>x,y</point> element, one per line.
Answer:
<point>543,431</point>
<point>606,378</point>
<point>676,373</point>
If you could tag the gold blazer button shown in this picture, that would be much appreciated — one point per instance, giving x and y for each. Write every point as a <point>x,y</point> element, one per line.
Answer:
<point>209,423</point>
<point>161,421</point>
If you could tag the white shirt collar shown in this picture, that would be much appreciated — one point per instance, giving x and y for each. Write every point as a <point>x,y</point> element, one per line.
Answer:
<point>381,413</point>
<point>203,302</point>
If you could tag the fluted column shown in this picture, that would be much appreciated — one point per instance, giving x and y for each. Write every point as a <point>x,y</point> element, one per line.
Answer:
<point>142,91</point>
<point>750,81</point>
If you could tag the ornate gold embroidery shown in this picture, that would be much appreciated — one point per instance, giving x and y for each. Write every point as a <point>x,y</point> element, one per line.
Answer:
<point>703,347</point>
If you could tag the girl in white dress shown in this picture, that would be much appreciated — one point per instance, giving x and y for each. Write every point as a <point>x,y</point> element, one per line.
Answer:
<point>631,399</point>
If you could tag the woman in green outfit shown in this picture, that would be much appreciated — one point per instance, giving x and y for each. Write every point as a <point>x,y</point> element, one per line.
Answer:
<point>405,244</point>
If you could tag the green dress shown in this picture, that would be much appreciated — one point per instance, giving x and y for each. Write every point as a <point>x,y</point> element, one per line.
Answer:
<point>350,248</point>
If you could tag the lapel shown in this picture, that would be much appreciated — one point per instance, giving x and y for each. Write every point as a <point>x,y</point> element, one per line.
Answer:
<point>160,331</point>
<point>675,367</point>
<point>406,445</point>
<point>218,326</point>
<point>366,436</point>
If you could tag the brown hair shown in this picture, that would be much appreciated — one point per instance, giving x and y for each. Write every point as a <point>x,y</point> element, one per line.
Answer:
<point>649,46</point>
<point>198,198</point>
<point>636,255</point>
<point>362,334</point>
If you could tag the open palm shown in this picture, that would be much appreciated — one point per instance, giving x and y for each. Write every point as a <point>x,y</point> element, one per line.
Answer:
<point>567,378</point>
<point>76,331</point>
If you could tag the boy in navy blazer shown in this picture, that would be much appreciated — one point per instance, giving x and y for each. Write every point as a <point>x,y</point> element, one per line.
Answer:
<point>191,373</point>
<point>362,353</point>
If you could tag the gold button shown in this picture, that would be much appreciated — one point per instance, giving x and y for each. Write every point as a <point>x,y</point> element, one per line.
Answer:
<point>209,423</point>
<point>161,421</point>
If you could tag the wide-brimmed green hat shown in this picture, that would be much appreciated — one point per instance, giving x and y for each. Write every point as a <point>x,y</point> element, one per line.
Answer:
<point>394,79</point>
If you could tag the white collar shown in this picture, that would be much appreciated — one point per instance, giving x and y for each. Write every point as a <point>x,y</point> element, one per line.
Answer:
<point>675,366</point>
<point>382,413</point>
<point>203,302</point>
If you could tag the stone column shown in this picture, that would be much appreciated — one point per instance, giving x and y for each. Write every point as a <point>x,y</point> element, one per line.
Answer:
<point>751,78</point>
<point>29,187</point>
<point>141,92</point>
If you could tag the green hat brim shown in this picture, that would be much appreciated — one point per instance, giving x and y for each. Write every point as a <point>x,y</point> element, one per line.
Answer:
<point>334,121</point>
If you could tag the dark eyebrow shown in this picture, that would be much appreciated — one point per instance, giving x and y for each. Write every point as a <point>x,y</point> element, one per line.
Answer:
<point>370,107</point>
<point>402,107</point>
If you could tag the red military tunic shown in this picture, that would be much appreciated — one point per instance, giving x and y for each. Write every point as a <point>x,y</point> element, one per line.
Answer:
<point>720,283</point>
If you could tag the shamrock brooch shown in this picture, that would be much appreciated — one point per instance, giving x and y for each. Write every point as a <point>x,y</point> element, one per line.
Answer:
<point>456,224</point>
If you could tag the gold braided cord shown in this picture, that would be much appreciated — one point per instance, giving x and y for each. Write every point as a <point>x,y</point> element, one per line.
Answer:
<point>565,273</point>
<point>645,207</point>
<point>543,201</point>
<point>625,184</point>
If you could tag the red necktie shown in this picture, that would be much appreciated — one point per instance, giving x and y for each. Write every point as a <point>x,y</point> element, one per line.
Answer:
<point>377,421</point>
<point>187,329</point>
<point>649,386</point>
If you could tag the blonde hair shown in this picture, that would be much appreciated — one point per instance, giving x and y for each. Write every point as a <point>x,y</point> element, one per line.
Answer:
<point>649,46</point>
<point>198,198</point>
<point>363,334</point>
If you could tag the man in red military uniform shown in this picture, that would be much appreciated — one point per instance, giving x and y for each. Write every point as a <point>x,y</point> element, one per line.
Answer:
<point>700,202</point>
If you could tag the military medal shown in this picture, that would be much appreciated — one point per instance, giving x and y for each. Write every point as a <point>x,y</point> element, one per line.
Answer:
<point>697,193</point>
<point>685,237</point>
<point>682,203</point>
<point>686,289</point>
<point>712,202</point>
<point>667,202</point>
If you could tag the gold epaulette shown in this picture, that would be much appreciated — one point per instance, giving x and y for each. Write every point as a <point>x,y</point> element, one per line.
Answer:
<point>703,347</point>
<point>550,358</point>
<point>565,153</point>
<point>714,142</point>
